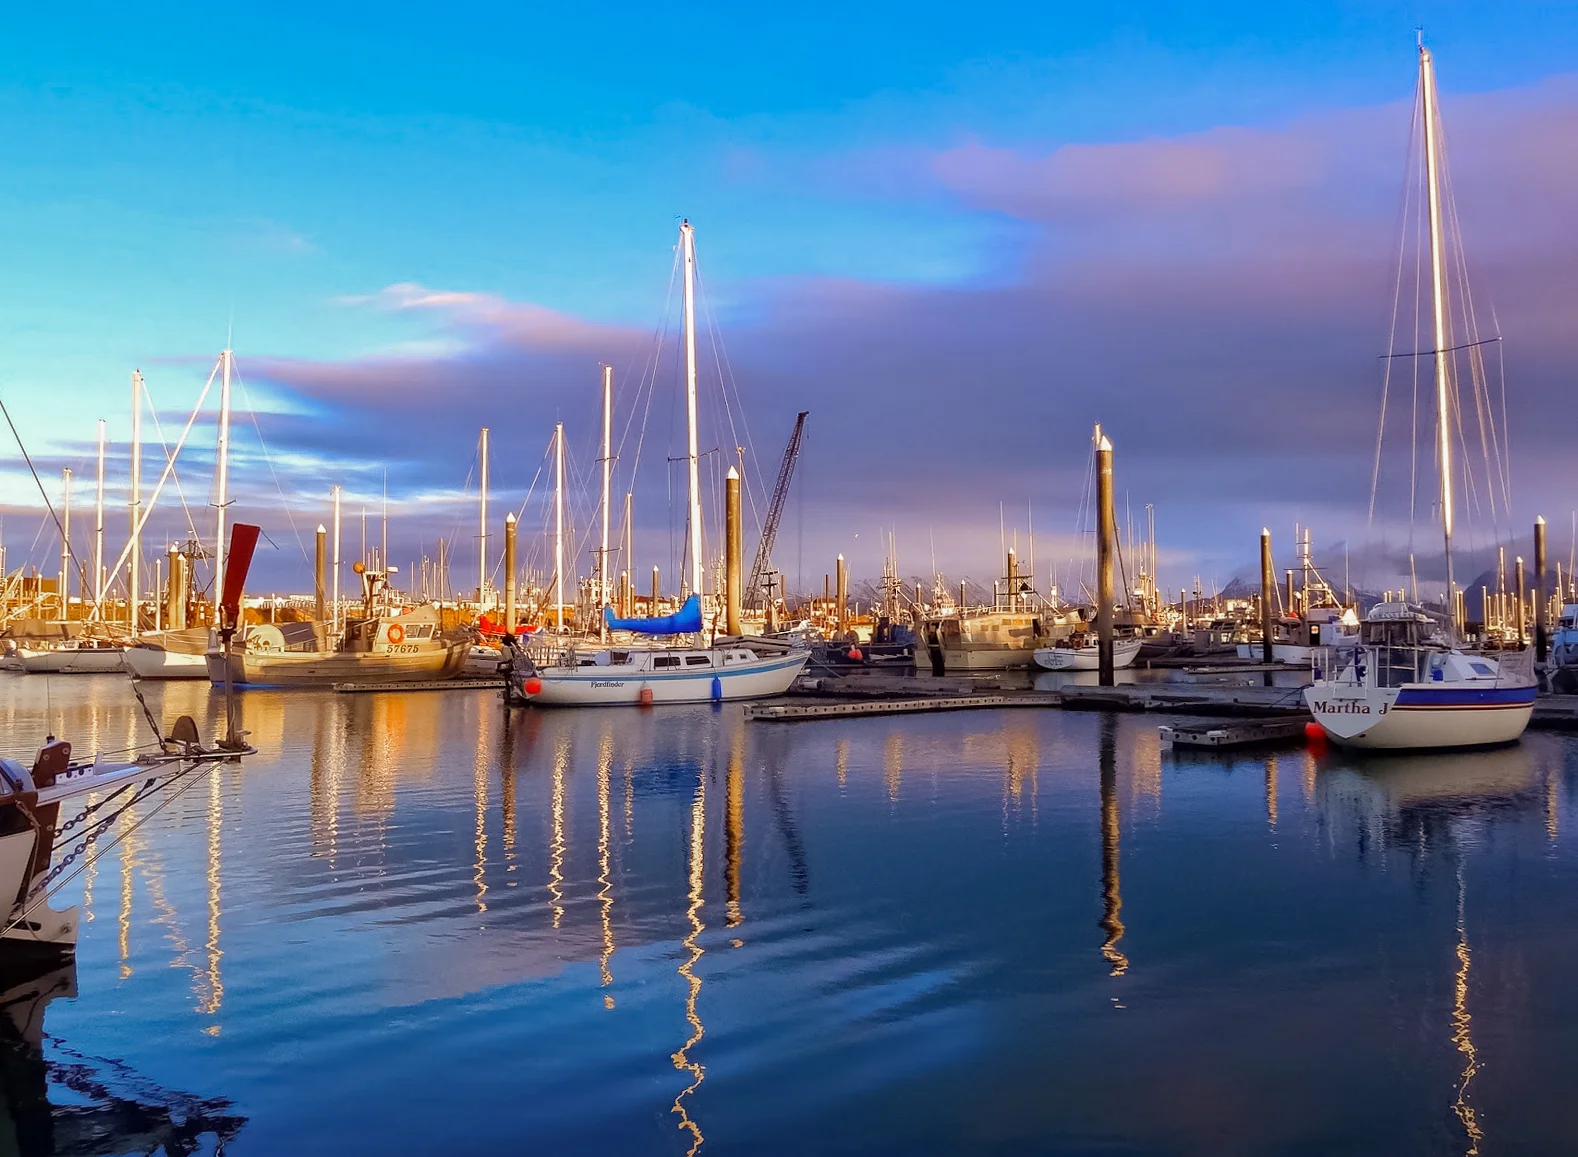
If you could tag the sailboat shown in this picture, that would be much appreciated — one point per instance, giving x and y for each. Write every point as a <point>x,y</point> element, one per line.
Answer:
<point>727,669</point>
<point>1407,685</point>
<point>181,652</point>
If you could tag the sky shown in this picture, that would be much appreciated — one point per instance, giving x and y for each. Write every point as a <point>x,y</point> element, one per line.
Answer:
<point>959,238</point>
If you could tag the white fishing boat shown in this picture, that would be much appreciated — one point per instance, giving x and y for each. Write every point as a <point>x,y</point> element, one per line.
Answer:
<point>1407,685</point>
<point>1084,654</point>
<point>687,671</point>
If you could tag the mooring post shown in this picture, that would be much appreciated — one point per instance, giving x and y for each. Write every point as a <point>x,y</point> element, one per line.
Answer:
<point>841,592</point>
<point>1541,596</point>
<point>509,575</point>
<point>320,576</point>
<point>1268,585</point>
<point>1107,523</point>
<point>731,551</point>
<point>652,610</point>
<point>1518,619</point>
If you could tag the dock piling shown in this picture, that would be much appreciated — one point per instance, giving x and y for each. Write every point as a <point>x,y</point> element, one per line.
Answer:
<point>1541,595</point>
<point>509,572</point>
<point>1267,585</point>
<point>1107,532</point>
<point>320,576</point>
<point>731,551</point>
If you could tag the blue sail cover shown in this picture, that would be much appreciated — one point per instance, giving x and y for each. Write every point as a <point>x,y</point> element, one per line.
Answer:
<point>686,620</point>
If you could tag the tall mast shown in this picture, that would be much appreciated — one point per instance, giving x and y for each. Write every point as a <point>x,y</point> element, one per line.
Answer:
<point>98,527</point>
<point>1427,88</point>
<point>687,237</point>
<point>65,544</point>
<point>482,518</point>
<point>602,558</point>
<point>336,581</point>
<point>558,522</point>
<point>134,505</point>
<point>223,493</point>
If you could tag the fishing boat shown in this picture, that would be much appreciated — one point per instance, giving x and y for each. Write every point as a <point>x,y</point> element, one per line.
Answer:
<point>685,669</point>
<point>1082,653</point>
<point>1407,685</point>
<point>1001,637</point>
<point>380,647</point>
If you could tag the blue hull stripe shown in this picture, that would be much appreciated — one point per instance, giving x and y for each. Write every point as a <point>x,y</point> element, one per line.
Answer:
<point>1432,697</point>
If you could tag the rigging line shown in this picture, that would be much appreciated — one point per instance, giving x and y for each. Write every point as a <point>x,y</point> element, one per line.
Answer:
<point>290,516</point>
<point>81,568</point>
<point>1397,292</point>
<point>1468,345</point>
<point>153,412</point>
<point>726,381</point>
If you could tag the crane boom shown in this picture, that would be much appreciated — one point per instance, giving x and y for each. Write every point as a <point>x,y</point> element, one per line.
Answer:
<point>775,510</point>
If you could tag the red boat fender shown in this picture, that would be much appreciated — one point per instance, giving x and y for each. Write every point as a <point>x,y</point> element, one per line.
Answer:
<point>533,686</point>
<point>645,697</point>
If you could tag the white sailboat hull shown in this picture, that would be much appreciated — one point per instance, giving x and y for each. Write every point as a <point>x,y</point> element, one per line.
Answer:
<point>614,686</point>
<point>1420,716</point>
<point>157,663</point>
<point>70,661</point>
<point>1124,652</point>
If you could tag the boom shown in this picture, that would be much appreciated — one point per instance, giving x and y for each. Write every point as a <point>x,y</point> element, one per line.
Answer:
<point>775,511</point>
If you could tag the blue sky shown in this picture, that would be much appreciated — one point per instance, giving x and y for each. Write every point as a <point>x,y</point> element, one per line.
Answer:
<point>173,172</point>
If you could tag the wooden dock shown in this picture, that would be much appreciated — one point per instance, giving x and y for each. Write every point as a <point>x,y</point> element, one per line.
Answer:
<point>423,685</point>
<point>1187,699</point>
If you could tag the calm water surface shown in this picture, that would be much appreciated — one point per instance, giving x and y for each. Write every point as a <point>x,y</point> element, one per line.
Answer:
<point>412,925</point>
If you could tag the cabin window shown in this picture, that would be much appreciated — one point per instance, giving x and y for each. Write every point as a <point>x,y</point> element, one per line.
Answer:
<point>1481,668</point>
<point>665,661</point>
<point>698,660</point>
<point>619,658</point>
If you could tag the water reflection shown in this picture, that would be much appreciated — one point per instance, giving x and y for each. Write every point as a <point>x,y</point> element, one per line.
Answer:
<point>687,969</point>
<point>1111,890</point>
<point>342,907</point>
<point>99,1106</point>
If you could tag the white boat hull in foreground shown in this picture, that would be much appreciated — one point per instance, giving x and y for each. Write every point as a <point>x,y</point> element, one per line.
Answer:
<point>156,663</point>
<point>1124,652</point>
<point>71,660</point>
<point>660,675</point>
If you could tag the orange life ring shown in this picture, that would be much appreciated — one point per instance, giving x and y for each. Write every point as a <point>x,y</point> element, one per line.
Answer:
<point>396,633</point>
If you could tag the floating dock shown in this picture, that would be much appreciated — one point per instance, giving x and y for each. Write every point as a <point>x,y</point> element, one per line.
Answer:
<point>1250,734</point>
<point>423,685</point>
<point>797,712</point>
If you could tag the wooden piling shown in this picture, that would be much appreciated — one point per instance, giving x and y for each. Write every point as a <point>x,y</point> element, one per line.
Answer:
<point>509,573</point>
<point>320,576</point>
<point>1541,595</point>
<point>1106,534</point>
<point>1268,584</point>
<point>841,592</point>
<point>1518,619</point>
<point>731,551</point>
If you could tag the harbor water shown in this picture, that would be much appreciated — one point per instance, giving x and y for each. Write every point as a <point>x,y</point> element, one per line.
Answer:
<point>414,923</point>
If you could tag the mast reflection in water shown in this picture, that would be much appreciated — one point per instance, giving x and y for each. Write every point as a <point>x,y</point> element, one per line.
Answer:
<point>416,925</point>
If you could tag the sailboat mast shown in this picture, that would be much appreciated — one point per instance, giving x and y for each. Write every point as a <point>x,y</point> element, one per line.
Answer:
<point>336,582</point>
<point>1427,88</point>
<point>134,505</point>
<point>558,523</point>
<point>688,241</point>
<point>222,495</point>
<point>602,557</point>
<point>482,518</point>
<point>98,527</point>
<point>65,544</point>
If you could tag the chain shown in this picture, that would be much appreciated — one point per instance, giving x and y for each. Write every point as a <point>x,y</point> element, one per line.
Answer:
<point>147,713</point>
<point>98,828</point>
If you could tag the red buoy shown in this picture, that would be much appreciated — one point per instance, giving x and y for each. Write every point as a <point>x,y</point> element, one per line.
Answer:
<point>854,655</point>
<point>1313,730</point>
<point>645,698</point>
<point>534,686</point>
